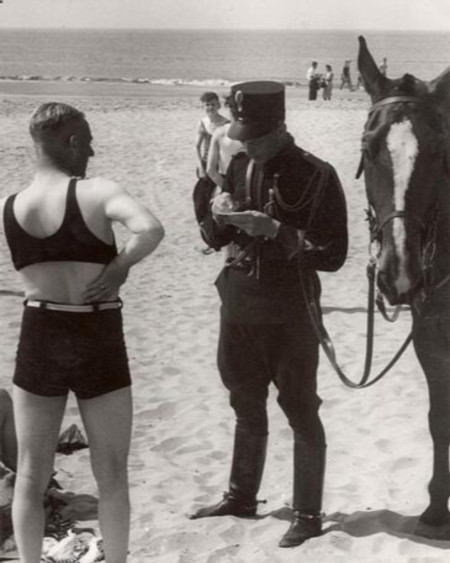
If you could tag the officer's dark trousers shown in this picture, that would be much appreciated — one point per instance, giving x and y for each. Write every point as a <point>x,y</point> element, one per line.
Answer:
<point>250,357</point>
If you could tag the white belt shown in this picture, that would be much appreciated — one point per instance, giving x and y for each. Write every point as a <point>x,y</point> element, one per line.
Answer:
<point>89,308</point>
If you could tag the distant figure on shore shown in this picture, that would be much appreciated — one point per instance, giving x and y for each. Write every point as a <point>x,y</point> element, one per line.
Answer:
<point>327,82</point>
<point>59,232</point>
<point>359,82</point>
<point>8,439</point>
<point>221,151</point>
<point>346,79</point>
<point>384,66</point>
<point>313,78</point>
<point>204,187</point>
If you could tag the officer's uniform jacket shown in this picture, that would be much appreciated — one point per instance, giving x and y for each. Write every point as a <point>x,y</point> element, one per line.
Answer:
<point>260,281</point>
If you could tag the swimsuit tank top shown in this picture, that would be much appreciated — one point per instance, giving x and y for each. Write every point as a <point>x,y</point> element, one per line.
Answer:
<point>208,133</point>
<point>72,242</point>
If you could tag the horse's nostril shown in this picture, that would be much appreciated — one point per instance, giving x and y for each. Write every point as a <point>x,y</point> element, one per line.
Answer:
<point>386,288</point>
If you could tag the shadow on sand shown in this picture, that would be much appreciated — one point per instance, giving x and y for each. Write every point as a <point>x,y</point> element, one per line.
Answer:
<point>367,523</point>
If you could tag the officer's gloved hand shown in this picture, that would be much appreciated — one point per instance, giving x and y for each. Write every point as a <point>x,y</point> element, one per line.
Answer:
<point>221,205</point>
<point>254,223</point>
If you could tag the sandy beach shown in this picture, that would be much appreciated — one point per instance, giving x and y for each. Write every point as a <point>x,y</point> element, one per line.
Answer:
<point>379,450</point>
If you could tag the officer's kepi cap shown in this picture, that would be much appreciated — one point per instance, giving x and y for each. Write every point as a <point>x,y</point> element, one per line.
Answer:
<point>257,107</point>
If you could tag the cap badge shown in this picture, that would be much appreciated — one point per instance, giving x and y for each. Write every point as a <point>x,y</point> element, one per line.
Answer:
<point>239,99</point>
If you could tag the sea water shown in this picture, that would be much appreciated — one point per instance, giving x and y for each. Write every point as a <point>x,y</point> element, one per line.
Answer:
<point>209,58</point>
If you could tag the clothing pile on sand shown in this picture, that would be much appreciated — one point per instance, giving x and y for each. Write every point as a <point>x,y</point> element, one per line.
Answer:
<point>79,545</point>
<point>64,541</point>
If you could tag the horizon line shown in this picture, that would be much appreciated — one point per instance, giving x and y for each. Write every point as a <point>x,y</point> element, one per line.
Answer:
<point>206,29</point>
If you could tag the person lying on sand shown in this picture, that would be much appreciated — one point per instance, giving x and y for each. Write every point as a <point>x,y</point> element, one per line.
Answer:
<point>8,439</point>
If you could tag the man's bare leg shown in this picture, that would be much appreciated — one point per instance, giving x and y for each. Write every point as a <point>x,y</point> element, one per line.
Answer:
<point>108,420</point>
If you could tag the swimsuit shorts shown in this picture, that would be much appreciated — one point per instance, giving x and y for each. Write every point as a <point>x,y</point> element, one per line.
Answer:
<point>79,351</point>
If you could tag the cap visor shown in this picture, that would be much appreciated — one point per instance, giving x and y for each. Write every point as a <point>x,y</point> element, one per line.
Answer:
<point>240,131</point>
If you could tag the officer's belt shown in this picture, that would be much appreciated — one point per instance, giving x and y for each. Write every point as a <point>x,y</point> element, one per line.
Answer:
<point>267,251</point>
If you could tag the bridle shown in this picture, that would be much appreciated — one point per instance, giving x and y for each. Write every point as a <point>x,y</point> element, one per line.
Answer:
<point>376,227</point>
<point>427,229</point>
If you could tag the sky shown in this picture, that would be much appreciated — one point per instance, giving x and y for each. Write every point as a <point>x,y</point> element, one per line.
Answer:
<point>404,15</point>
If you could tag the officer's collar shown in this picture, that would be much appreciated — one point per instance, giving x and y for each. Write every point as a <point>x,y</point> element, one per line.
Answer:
<point>272,164</point>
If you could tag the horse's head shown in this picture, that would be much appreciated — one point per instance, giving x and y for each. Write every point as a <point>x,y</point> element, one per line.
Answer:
<point>406,156</point>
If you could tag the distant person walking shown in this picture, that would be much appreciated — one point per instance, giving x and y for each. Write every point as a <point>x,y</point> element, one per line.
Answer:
<point>346,79</point>
<point>327,81</point>
<point>313,78</point>
<point>359,82</point>
<point>384,66</point>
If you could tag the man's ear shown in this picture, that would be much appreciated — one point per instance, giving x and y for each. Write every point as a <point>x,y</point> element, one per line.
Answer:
<point>73,142</point>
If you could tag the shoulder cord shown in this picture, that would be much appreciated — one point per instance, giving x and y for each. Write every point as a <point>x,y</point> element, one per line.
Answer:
<point>308,195</point>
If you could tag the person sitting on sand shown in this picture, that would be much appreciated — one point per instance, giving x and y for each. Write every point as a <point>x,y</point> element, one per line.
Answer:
<point>59,232</point>
<point>8,439</point>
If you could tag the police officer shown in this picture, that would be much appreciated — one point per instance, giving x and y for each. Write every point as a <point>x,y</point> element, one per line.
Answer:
<point>282,212</point>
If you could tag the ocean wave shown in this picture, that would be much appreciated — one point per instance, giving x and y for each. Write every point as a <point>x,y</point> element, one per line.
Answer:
<point>124,79</point>
<point>206,83</point>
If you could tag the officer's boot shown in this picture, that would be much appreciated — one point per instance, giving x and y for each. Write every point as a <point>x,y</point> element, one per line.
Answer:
<point>247,467</point>
<point>309,470</point>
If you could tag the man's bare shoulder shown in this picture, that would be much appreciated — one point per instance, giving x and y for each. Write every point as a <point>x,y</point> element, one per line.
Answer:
<point>100,187</point>
<point>221,131</point>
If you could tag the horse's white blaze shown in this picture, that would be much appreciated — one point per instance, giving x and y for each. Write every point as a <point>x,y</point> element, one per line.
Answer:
<point>403,148</point>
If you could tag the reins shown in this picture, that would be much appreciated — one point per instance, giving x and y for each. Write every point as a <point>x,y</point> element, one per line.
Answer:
<point>313,307</point>
<point>326,342</point>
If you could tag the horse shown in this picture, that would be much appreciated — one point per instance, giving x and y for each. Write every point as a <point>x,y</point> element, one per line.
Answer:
<point>406,162</point>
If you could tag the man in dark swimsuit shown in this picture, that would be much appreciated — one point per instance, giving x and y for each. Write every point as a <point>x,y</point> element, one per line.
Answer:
<point>282,211</point>
<point>59,231</point>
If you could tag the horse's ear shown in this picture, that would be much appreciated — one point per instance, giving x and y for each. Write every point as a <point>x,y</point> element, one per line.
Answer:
<point>439,88</point>
<point>374,81</point>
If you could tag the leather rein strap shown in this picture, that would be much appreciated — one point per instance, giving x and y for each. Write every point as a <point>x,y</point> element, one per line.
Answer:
<point>314,312</point>
<point>315,316</point>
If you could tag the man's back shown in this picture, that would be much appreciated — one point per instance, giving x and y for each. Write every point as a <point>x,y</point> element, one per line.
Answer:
<point>43,213</point>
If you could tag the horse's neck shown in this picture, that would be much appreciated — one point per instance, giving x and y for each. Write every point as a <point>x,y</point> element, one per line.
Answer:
<point>442,238</point>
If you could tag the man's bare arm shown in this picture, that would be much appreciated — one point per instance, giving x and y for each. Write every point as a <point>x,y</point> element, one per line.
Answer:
<point>146,234</point>
<point>212,167</point>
